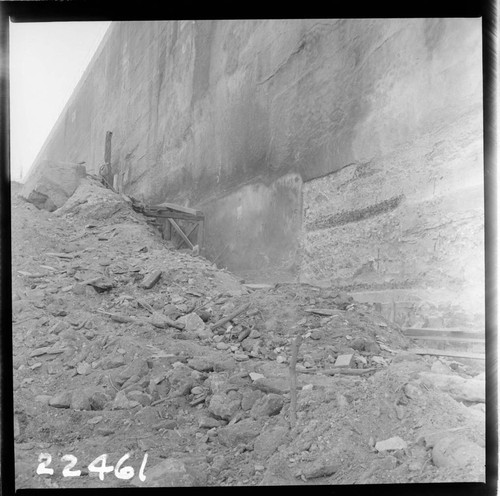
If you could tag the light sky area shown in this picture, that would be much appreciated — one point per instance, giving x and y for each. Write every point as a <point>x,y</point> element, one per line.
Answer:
<point>47,60</point>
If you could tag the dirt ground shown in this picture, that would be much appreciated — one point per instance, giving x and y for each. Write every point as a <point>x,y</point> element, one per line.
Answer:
<point>126,381</point>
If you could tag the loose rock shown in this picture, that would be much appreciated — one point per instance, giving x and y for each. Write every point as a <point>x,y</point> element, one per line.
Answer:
<point>454,451</point>
<point>269,441</point>
<point>269,405</point>
<point>321,467</point>
<point>457,387</point>
<point>61,400</point>
<point>278,473</point>
<point>121,402</point>
<point>394,443</point>
<point>223,407</point>
<point>241,432</point>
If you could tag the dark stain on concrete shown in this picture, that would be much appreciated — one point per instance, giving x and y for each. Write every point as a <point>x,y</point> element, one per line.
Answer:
<point>434,31</point>
<point>203,45</point>
<point>357,215</point>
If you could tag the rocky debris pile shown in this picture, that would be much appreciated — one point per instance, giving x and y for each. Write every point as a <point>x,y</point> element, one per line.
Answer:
<point>122,345</point>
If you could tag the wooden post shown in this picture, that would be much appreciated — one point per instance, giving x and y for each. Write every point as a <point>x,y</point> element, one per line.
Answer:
<point>107,148</point>
<point>201,233</point>
<point>393,311</point>
<point>167,230</point>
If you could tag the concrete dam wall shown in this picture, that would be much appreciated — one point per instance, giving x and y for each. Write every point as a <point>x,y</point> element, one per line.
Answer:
<point>350,150</point>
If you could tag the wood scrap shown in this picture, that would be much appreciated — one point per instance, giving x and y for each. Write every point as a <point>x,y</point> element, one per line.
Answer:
<point>162,322</point>
<point>243,334</point>
<point>322,311</point>
<point>343,371</point>
<point>61,255</point>
<point>293,380</point>
<point>450,353</point>
<point>30,275</point>
<point>180,232</point>
<point>90,281</point>
<point>231,316</point>
<point>145,305</point>
<point>122,319</point>
<point>112,383</point>
<point>151,279</point>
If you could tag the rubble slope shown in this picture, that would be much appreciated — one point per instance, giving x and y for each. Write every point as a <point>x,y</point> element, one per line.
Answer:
<point>119,350</point>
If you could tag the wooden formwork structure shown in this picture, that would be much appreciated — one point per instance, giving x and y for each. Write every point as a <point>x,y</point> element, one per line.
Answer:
<point>194,221</point>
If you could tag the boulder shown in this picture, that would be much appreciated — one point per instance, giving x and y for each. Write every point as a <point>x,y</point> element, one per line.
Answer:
<point>200,364</point>
<point>137,369</point>
<point>269,405</point>
<point>98,400</point>
<point>454,451</point>
<point>93,201</point>
<point>84,368</point>
<point>222,406</point>
<point>457,387</point>
<point>61,400</point>
<point>180,380</point>
<point>250,345</point>
<point>269,441</point>
<point>275,385</point>
<point>143,398</point>
<point>111,362</point>
<point>321,467</point>
<point>193,323</point>
<point>225,364</point>
<point>80,400</point>
<point>93,398</point>
<point>121,402</point>
<point>249,398</point>
<point>391,444</point>
<point>208,423</point>
<point>51,183</point>
<point>217,382</point>
<point>278,473</point>
<point>241,432</point>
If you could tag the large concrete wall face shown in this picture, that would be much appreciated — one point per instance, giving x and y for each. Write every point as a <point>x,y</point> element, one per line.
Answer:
<point>357,140</point>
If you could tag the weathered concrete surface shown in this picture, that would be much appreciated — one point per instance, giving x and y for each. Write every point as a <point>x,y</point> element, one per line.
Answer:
<point>410,219</point>
<point>260,222</point>
<point>235,116</point>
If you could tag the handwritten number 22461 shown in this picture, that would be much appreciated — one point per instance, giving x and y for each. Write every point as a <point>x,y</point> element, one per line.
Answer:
<point>125,473</point>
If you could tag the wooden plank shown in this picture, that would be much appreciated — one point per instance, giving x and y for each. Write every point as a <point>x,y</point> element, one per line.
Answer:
<point>172,215</point>
<point>231,316</point>
<point>201,233</point>
<point>187,235</point>
<point>107,148</point>
<point>441,329</point>
<point>442,334</point>
<point>181,233</point>
<point>322,311</point>
<point>450,353</point>
<point>446,339</point>
<point>178,208</point>
<point>167,229</point>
